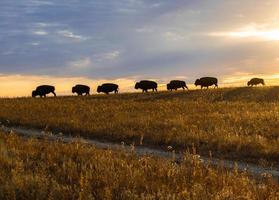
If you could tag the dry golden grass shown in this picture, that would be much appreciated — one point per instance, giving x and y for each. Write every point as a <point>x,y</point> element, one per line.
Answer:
<point>239,123</point>
<point>39,169</point>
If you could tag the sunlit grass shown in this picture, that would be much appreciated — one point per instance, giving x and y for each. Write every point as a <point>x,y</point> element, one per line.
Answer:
<point>33,169</point>
<point>238,123</point>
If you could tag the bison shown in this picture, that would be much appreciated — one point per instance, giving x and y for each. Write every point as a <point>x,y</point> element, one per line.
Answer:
<point>255,81</point>
<point>81,89</point>
<point>43,90</point>
<point>146,85</point>
<point>176,84</point>
<point>206,82</point>
<point>107,88</point>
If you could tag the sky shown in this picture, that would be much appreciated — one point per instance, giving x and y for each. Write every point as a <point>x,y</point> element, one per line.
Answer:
<point>66,42</point>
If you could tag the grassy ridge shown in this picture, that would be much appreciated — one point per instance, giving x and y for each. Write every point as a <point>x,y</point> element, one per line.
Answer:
<point>33,169</point>
<point>239,123</point>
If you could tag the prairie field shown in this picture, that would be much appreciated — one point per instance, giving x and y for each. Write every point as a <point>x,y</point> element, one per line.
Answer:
<point>235,123</point>
<point>40,169</point>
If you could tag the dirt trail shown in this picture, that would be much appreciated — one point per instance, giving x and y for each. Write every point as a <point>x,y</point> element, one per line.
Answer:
<point>140,150</point>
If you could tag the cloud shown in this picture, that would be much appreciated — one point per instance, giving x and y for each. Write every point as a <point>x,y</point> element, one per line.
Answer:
<point>111,55</point>
<point>81,63</point>
<point>253,31</point>
<point>71,35</point>
<point>40,32</point>
<point>156,5</point>
<point>173,36</point>
<point>35,43</point>
<point>46,24</point>
<point>127,10</point>
<point>5,53</point>
<point>40,3</point>
<point>144,30</point>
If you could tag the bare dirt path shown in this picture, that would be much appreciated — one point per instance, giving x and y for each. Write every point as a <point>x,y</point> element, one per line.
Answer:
<point>141,150</point>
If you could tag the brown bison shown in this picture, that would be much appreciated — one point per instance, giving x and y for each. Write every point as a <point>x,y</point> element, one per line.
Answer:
<point>43,90</point>
<point>146,85</point>
<point>81,89</point>
<point>206,82</point>
<point>176,84</point>
<point>107,88</point>
<point>255,81</point>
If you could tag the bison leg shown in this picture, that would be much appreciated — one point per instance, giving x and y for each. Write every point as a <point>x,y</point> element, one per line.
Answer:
<point>156,90</point>
<point>54,93</point>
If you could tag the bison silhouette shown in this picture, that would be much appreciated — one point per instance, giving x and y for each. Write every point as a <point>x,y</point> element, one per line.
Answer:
<point>207,82</point>
<point>107,88</point>
<point>43,90</point>
<point>176,84</point>
<point>255,82</point>
<point>81,89</point>
<point>146,85</point>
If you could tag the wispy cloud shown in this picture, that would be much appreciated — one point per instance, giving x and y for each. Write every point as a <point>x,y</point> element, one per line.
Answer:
<point>35,43</point>
<point>41,3</point>
<point>111,55</point>
<point>81,63</point>
<point>254,31</point>
<point>40,32</point>
<point>173,36</point>
<point>144,30</point>
<point>71,35</point>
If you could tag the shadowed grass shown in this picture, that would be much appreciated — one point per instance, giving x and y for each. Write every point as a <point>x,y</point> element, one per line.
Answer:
<point>33,169</point>
<point>239,123</point>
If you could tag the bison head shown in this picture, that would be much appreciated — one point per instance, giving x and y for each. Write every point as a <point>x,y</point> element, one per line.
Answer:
<point>168,87</point>
<point>197,82</point>
<point>137,85</point>
<point>73,89</point>
<point>99,89</point>
<point>249,83</point>
<point>34,93</point>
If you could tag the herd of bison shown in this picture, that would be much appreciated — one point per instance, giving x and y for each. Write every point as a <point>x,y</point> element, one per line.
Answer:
<point>144,85</point>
